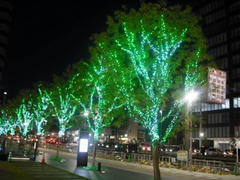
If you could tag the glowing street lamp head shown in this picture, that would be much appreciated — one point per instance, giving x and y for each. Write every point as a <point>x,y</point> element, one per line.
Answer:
<point>86,113</point>
<point>191,96</point>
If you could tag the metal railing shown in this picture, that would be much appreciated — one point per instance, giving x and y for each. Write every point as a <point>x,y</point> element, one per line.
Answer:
<point>200,165</point>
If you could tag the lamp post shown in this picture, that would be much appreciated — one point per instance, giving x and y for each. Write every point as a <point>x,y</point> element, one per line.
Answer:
<point>189,98</point>
<point>201,134</point>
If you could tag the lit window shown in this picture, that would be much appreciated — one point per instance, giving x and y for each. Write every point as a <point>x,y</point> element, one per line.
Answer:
<point>236,102</point>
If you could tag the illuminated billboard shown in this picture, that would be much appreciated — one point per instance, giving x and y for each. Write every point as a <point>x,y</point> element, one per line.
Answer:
<point>216,86</point>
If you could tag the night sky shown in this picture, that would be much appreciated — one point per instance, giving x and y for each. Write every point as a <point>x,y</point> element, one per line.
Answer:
<point>48,35</point>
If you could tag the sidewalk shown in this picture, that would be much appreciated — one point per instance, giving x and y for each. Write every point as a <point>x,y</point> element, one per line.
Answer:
<point>29,170</point>
<point>135,167</point>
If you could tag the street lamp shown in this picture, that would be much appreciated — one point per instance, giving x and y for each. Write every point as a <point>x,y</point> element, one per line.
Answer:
<point>201,134</point>
<point>86,113</point>
<point>4,97</point>
<point>189,98</point>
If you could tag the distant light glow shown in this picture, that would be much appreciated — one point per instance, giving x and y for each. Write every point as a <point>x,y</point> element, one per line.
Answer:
<point>86,113</point>
<point>191,96</point>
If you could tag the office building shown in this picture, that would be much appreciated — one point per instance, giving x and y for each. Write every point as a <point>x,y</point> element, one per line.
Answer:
<point>220,21</point>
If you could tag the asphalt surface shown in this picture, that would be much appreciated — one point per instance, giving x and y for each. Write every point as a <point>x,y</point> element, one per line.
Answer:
<point>116,170</point>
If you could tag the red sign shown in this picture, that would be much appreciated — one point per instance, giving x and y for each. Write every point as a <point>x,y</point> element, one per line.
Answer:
<point>216,86</point>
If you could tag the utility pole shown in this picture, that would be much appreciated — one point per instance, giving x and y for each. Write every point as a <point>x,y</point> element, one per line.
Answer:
<point>190,138</point>
<point>237,156</point>
<point>190,97</point>
<point>200,127</point>
<point>237,141</point>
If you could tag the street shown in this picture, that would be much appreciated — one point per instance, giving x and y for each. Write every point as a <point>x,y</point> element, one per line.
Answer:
<point>121,170</point>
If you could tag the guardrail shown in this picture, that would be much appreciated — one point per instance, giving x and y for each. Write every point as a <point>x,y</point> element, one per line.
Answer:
<point>210,166</point>
<point>200,165</point>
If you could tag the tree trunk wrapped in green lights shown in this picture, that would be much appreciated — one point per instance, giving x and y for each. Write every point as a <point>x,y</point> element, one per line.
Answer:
<point>62,106</point>
<point>5,124</point>
<point>41,110</point>
<point>97,99</point>
<point>9,120</point>
<point>25,115</point>
<point>150,54</point>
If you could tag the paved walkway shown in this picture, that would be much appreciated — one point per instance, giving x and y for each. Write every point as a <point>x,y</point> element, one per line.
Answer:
<point>35,171</point>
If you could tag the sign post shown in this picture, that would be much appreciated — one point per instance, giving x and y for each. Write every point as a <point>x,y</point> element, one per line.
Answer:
<point>82,153</point>
<point>237,146</point>
<point>237,157</point>
<point>182,156</point>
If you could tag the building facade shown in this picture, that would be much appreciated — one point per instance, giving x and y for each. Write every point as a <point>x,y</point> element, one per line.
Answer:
<point>220,21</point>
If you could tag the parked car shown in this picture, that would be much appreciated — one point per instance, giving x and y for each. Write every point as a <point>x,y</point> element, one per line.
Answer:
<point>231,153</point>
<point>144,147</point>
<point>170,150</point>
<point>196,152</point>
<point>213,152</point>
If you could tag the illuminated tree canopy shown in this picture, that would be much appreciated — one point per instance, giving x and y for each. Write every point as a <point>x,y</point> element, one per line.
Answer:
<point>40,109</point>
<point>61,103</point>
<point>25,116</point>
<point>5,124</point>
<point>9,120</point>
<point>154,53</point>
<point>96,97</point>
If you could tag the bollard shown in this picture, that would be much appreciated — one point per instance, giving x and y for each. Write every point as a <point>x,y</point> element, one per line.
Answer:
<point>99,166</point>
<point>129,158</point>
<point>43,158</point>
<point>10,156</point>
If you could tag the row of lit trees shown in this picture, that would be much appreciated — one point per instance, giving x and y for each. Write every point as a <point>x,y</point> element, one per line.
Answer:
<point>143,63</point>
